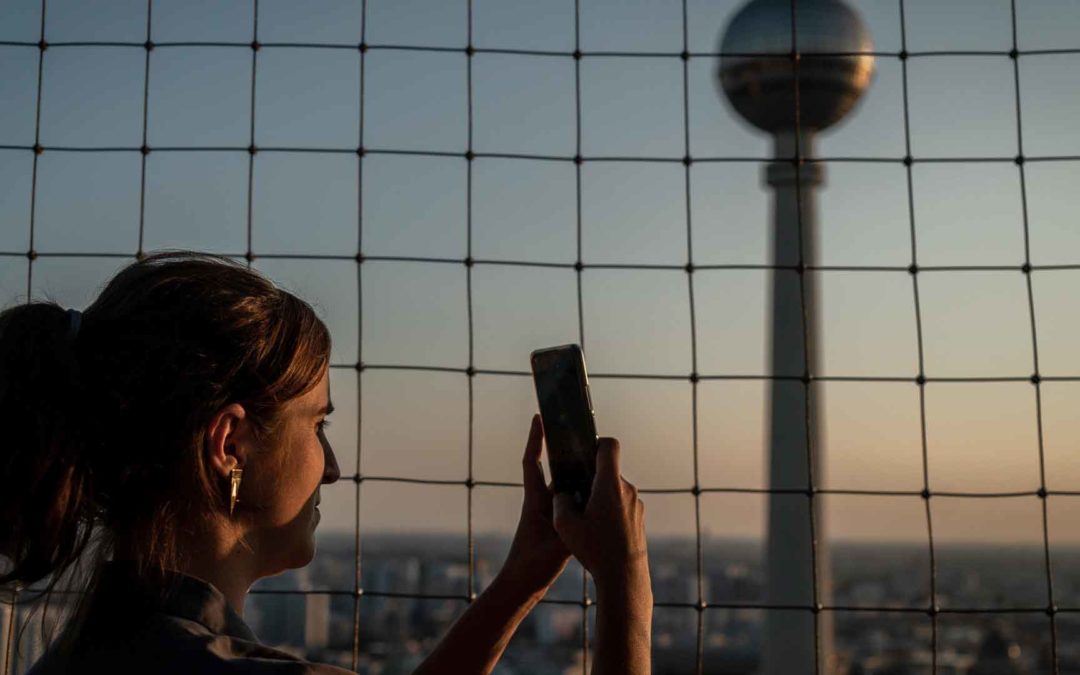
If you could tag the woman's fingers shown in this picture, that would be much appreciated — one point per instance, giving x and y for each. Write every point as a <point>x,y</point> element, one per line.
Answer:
<point>609,536</point>
<point>568,523</point>
<point>607,459</point>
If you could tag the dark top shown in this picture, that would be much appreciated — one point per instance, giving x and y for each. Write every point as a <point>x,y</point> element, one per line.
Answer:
<point>188,629</point>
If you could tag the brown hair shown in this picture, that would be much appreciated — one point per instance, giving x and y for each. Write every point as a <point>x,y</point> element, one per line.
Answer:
<point>103,432</point>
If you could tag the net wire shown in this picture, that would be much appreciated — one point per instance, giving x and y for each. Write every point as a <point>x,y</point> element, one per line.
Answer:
<point>809,378</point>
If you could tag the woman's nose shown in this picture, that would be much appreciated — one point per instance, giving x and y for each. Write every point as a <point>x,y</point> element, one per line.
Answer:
<point>331,472</point>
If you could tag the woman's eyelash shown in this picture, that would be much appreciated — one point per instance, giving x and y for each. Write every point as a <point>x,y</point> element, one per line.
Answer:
<point>322,425</point>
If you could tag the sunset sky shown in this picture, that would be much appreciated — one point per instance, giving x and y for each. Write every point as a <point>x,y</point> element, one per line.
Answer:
<point>981,436</point>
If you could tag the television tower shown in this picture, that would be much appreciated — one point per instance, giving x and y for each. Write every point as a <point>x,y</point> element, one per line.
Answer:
<point>764,50</point>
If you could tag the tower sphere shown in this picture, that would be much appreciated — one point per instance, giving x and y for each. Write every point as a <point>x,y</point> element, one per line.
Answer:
<point>762,88</point>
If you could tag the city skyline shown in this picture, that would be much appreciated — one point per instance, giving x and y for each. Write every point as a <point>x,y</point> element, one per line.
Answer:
<point>414,587</point>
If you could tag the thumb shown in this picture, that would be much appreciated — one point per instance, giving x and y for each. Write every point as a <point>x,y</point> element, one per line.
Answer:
<point>532,472</point>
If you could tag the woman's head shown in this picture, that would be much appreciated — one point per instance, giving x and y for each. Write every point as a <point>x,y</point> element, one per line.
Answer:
<point>276,513</point>
<point>186,365</point>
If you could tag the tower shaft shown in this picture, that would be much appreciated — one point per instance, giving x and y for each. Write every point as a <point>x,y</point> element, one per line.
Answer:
<point>794,445</point>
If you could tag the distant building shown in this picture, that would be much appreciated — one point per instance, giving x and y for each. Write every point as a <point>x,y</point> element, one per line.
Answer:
<point>317,621</point>
<point>998,656</point>
<point>281,615</point>
<point>6,611</point>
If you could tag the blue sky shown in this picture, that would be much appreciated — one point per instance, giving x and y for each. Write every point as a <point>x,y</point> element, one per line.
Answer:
<point>980,436</point>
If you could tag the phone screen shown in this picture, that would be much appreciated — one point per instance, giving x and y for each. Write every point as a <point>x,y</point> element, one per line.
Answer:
<point>562,390</point>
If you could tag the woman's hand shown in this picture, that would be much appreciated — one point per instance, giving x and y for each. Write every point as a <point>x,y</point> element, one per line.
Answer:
<point>609,540</point>
<point>537,555</point>
<point>609,536</point>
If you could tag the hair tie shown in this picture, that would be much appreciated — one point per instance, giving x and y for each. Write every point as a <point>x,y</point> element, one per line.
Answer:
<point>74,321</point>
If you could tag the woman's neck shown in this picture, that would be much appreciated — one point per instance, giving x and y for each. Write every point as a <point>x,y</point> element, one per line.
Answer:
<point>217,557</point>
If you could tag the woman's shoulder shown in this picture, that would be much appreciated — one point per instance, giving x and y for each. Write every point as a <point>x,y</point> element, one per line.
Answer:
<point>205,652</point>
<point>172,645</point>
<point>183,626</point>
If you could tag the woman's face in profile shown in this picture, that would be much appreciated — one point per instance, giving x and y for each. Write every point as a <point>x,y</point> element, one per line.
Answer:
<point>285,529</point>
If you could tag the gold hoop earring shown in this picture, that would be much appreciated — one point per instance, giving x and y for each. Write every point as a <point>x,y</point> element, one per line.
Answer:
<point>234,488</point>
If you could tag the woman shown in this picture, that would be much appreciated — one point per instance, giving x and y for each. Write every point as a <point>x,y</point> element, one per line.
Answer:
<point>168,445</point>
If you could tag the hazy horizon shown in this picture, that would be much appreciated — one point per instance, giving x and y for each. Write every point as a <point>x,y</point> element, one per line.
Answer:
<point>662,538</point>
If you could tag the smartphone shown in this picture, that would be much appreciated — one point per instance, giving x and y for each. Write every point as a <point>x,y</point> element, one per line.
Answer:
<point>562,390</point>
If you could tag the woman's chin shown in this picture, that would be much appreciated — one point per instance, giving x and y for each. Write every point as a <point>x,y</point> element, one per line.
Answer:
<point>305,556</point>
<point>305,552</point>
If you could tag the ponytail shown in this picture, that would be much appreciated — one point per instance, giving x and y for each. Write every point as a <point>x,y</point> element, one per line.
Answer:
<point>45,478</point>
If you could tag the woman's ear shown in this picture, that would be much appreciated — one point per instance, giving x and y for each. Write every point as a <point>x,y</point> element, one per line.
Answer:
<point>226,440</point>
